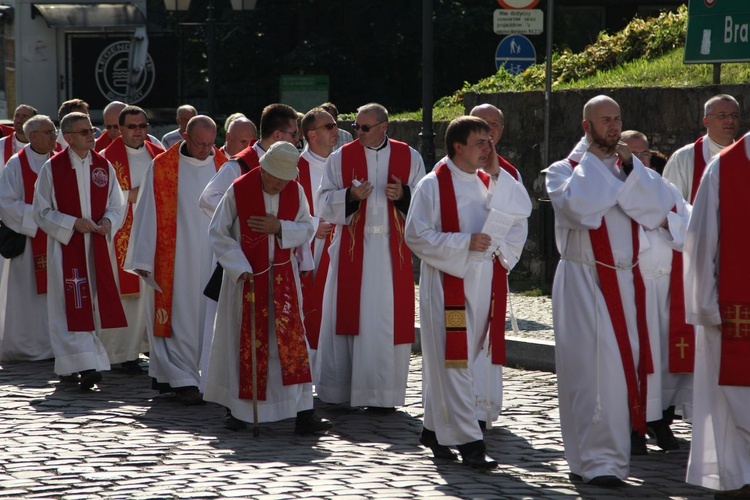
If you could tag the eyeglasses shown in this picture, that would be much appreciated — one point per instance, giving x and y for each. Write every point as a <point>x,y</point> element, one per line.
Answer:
<point>84,133</point>
<point>724,116</point>
<point>293,134</point>
<point>133,126</point>
<point>110,127</point>
<point>643,155</point>
<point>327,126</point>
<point>365,128</point>
<point>51,133</point>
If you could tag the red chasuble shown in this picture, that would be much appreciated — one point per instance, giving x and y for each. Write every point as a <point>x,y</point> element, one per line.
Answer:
<point>290,332</point>
<point>166,169</point>
<point>635,377</point>
<point>103,142</point>
<point>78,306</point>
<point>118,157</point>
<point>38,242</point>
<point>507,166</point>
<point>734,293</point>
<point>456,343</point>
<point>8,148</point>
<point>312,288</point>
<point>6,130</point>
<point>248,159</point>
<point>351,252</point>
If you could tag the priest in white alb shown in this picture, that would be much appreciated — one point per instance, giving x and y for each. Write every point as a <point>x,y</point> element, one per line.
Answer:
<point>173,254</point>
<point>718,302</point>
<point>24,335</point>
<point>82,292</point>
<point>258,223</point>
<point>463,283</point>
<point>130,153</point>
<point>601,195</point>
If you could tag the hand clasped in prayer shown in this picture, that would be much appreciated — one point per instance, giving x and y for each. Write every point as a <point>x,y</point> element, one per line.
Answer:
<point>88,226</point>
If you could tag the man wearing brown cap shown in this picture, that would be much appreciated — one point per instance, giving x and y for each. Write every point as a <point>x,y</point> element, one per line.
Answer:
<point>261,219</point>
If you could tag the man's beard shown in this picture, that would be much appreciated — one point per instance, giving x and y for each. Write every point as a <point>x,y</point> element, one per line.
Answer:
<point>604,141</point>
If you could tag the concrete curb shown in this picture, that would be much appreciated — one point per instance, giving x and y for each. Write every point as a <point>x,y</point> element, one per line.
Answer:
<point>523,353</point>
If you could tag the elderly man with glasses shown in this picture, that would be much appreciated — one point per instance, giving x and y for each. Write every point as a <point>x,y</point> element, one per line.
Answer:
<point>12,144</point>
<point>721,117</point>
<point>173,255</point>
<point>367,324</point>
<point>79,204</point>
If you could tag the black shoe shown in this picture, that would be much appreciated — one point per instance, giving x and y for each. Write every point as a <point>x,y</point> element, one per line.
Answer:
<point>89,378</point>
<point>162,387</point>
<point>132,367</point>
<point>575,478</point>
<point>233,423</point>
<point>664,437</point>
<point>308,422</point>
<point>189,395</point>
<point>743,492</point>
<point>637,445</point>
<point>473,454</point>
<point>482,424</point>
<point>428,439</point>
<point>70,379</point>
<point>381,410</point>
<point>607,481</point>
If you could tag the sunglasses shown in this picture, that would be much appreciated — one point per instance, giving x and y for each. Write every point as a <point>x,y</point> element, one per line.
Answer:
<point>84,133</point>
<point>328,126</point>
<point>133,126</point>
<point>365,128</point>
<point>110,127</point>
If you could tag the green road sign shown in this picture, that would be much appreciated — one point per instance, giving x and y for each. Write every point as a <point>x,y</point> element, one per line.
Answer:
<point>304,92</point>
<point>718,31</point>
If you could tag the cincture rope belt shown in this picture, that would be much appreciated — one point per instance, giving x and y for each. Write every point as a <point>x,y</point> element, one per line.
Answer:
<point>594,263</point>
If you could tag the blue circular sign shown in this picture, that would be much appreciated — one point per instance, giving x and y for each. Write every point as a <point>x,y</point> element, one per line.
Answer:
<point>516,53</point>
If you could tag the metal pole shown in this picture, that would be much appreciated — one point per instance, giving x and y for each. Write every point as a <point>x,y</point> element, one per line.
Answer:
<point>717,73</point>
<point>427,135</point>
<point>211,57</point>
<point>548,84</point>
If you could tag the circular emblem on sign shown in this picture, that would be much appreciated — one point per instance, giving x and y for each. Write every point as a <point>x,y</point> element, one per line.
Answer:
<point>112,70</point>
<point>520,4</point>
<point>709,3</point>
<point>162,316</point>
<point>99,177</point>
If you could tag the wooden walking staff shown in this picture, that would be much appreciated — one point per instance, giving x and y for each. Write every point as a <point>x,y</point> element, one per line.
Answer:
<point>253,361</point>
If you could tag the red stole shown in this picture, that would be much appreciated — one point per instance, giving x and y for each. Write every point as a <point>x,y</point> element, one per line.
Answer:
<point>118,157</point>
<point>103,142</point>
<point>290,332</point>
<point>456,343</point>
<point>313,287</point>
<point>734,294</point>
<point>78,306</point>
<point>699,165</point>
<point>351,252</point>
<point>681,334</point>
<point>8,149</point>
<point>248,159</point>
<point>636,382</point>
<point>507,166</point>
<point>6,130</point>
<point>165,170</point>
<point>38,242</point>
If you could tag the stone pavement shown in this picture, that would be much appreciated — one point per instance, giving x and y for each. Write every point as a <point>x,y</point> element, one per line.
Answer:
<point>122,441</point>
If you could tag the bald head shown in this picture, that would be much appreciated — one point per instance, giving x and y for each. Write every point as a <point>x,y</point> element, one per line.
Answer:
<point>239,135</point>
<point>602,121</point>
<point>596,103</point>
<point>111,116</point>
<point>494,118</point>
<point>200,135</point>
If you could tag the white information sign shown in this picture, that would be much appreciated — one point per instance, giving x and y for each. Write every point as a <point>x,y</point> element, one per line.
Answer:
<point>518,22</point>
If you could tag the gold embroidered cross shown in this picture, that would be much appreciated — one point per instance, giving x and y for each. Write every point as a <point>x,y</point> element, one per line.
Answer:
<point>736,320</point>
<point>279,279</point>
<point>249,297</point>
<point>682,345</point>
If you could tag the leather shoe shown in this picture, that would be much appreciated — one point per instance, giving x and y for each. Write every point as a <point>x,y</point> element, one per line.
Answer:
<point>380,410</point>
<point>473,454</point>
<point>743,492</point>
<point>665,439</point>
<point>132,367</point>
<point>233,423</point>
<point>162,387</point>
<point>308,422</point>
<point>189,395</point>
<point>73,378</point>
<point>637,444</point>
<point>607,481</point>
<point>428,439</point>
<point>89,378</point>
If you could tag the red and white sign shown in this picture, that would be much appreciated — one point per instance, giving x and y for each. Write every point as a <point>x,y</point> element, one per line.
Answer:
<point>517,4</point>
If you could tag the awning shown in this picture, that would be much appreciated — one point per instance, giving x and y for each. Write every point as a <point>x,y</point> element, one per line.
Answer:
<point>6,11</point>
<point>92,15</point>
